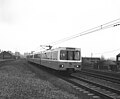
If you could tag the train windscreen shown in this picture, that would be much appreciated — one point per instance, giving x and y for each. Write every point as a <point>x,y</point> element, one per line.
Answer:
<point>69,55</point>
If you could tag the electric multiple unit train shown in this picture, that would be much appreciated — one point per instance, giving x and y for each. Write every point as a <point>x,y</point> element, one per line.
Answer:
<point>61,59</point>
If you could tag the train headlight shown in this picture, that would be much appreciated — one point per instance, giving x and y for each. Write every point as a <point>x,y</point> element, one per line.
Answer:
<point>61,66</point>
<point>77,66</point>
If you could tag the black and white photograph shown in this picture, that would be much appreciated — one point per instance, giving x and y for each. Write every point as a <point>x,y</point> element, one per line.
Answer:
<point>59,49</point>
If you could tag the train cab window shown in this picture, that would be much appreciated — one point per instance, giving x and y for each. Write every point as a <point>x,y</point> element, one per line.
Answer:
<point>70,55</point>
<point>63,55</point>
<point>77,55</point>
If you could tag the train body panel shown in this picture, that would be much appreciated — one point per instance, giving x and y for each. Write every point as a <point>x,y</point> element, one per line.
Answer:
<point>50,63</point>
<point>61,59</point>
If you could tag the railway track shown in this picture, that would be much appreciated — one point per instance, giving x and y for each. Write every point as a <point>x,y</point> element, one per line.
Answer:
<point>105,76</point>
<point>90,88</point>
<point>82,93</point>
<point>102,91</point>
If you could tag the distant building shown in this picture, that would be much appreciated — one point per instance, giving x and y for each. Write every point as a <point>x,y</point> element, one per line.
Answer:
<point>90,59</point>
<point>89,62</point>
<point>6,55</point>
<point>118,61</point>
<point>118,57</point>
<point>17,53</point>
<point>26,54</point>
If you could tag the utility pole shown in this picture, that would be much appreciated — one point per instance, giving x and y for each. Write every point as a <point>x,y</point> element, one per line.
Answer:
<point>91,55</point>
<point>32,52</point>
<point>91,59</point>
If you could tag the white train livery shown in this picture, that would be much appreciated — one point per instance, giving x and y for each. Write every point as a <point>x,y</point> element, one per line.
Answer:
<point>61,59</point>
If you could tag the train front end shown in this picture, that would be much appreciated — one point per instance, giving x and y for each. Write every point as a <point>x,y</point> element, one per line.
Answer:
<point>70,59</point>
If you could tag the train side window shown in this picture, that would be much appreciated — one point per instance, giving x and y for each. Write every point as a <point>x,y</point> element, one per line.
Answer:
<point>54,55</point>
<point>63,55</point>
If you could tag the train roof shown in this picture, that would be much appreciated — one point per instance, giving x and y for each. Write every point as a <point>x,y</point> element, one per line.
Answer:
<point>69,48</point>
<point>62,48</point>
<point>59,48</point>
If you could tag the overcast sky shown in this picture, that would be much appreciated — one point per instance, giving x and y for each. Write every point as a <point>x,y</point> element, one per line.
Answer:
<point>27,24</point>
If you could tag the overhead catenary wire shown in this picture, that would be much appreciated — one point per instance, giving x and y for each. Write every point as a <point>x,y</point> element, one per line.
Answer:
<point>110,51</point>
<point>100,27</point>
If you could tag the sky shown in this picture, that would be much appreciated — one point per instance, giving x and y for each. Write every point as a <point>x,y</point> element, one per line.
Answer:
<point>27,24</point>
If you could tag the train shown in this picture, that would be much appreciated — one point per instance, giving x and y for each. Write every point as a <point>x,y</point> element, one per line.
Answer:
<point>66,59</point>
